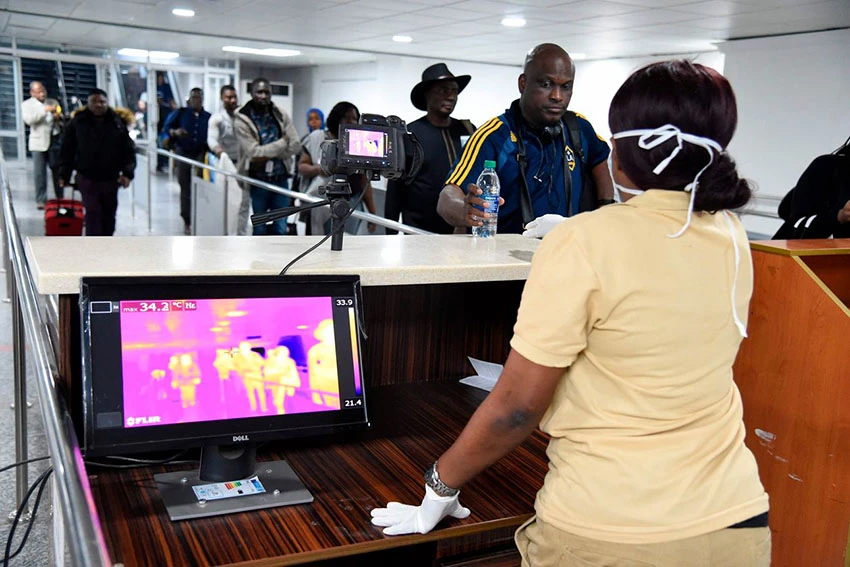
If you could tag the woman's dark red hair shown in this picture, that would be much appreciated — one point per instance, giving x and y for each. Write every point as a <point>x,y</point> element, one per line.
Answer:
<point>699,101</point>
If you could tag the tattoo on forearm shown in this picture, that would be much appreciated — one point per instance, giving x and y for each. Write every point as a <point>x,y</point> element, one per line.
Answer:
<point>517,419</point>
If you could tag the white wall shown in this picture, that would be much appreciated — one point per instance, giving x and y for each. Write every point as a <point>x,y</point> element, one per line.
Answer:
<point>598,81</point>
<point>383,86</point>
<point>793,97</point>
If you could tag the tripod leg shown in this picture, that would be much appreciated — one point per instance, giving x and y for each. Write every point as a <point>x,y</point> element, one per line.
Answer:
<point>339,210</point>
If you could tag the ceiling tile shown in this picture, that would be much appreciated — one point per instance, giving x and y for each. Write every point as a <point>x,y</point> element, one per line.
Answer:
<point>450,14</point>
<point>637,19</point>
<point>42,7</point>
<point>109,12</point>
<point>392,6</point>
<point>716,8</point>
<point>584,9</point>
<point>492,7</point>
<point>31,22</point>
<point>72,29</point>
<point>273,8</point>
<point>681,32</point>
<point>658,3</point>
<point>21,32</point>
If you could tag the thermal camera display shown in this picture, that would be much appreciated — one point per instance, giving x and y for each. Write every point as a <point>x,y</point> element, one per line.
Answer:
<point>367,143</point>
<point>206,360</point>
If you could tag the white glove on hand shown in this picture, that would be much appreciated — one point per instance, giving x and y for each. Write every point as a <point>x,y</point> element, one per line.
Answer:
<point>540,227</point>
<point>399,519</point>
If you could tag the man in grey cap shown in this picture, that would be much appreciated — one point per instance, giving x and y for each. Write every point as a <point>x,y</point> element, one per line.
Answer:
<point>440,136</point>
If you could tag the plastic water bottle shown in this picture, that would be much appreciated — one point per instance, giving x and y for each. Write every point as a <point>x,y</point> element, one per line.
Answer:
<point>488,182</point>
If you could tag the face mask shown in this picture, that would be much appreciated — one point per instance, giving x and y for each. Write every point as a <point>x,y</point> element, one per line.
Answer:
<point>617,187</point>
<point>649,139</point>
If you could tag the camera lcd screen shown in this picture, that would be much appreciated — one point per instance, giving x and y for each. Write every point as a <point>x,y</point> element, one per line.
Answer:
<point>367,143</point>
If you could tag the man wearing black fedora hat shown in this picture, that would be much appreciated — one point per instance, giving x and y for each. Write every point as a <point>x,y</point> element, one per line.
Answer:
<point>440,136</point>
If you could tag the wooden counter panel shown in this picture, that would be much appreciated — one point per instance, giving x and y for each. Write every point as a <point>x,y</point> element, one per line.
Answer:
<point>834,272</point>
<point>413,424</point>
<point>425,333</point>
<point>792,372</point>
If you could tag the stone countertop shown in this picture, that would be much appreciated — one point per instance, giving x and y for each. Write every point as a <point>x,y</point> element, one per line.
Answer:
<point>58,263</point>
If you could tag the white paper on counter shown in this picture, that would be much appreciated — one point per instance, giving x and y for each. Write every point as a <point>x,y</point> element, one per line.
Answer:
<point>487,374</point>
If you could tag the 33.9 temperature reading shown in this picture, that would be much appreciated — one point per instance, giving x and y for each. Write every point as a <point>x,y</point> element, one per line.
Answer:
<point>344,302</point>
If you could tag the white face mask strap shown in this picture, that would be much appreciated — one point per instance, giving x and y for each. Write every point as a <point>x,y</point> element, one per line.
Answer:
<point>738,323</point>
<point>649,139</point>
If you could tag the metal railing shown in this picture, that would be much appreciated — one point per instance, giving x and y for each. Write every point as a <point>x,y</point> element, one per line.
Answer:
<point>85,538</point>
<point>150,150</point>
<point>756,207</point>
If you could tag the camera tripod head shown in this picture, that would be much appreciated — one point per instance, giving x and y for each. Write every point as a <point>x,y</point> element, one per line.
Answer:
<point>337,193</point>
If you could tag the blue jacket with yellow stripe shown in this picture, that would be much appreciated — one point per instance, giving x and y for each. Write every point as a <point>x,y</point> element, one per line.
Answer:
<point>496,140</point>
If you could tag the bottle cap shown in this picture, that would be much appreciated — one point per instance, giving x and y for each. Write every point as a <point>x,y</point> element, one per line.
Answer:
<point>489,163</point>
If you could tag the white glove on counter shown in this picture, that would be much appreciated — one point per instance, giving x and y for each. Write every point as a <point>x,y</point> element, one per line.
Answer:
<point>540,227</point>
<point>399,519</point>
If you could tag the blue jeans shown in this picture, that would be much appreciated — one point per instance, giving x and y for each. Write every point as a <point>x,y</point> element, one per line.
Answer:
<point>264,201</point>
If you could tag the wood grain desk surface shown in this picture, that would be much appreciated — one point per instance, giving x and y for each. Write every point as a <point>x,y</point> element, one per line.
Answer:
<point>412,425</point>
<point>817,247</point>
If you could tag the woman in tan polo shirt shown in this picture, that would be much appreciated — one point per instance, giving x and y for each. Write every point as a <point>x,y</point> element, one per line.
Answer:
<point>630,322</point>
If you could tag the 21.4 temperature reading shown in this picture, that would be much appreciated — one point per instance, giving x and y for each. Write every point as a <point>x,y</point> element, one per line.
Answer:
<point>344,302</point>
<point>352,403</point>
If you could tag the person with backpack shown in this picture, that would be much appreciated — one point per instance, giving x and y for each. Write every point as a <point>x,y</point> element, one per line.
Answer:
<point>549,160</point>
<point>185,132</point>
<point>98,147</point>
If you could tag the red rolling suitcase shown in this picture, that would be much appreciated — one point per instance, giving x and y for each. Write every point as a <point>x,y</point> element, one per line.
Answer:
<point>63,217</point>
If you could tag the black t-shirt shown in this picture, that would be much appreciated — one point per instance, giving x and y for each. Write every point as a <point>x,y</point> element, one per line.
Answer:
<point>417,199</point>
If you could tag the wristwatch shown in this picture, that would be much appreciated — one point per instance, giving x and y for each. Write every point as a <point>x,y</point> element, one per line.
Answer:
<point>432,479</point>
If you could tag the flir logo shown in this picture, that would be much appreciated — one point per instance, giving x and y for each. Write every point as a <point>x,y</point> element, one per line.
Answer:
<point>240,438</point>
<point>144,420</point>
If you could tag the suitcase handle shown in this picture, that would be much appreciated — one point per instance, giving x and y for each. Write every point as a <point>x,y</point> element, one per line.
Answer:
<point>73,186</point>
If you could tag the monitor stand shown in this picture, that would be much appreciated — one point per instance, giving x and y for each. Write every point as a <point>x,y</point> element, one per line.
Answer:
<point>281,485</point>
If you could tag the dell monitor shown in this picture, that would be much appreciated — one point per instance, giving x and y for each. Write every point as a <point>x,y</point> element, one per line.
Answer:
<point>221,363</point>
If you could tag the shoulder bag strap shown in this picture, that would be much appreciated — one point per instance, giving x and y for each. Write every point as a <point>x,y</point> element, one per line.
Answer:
<point>574,132</point>
<point>522,162</point>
